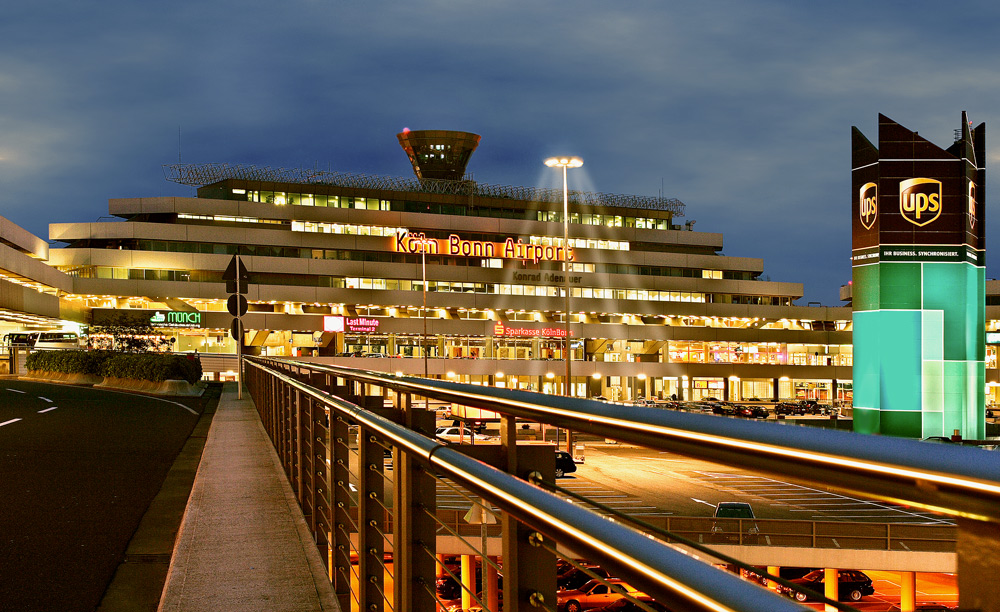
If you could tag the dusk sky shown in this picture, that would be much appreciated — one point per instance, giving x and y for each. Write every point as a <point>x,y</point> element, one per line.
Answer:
<point>742,110</point>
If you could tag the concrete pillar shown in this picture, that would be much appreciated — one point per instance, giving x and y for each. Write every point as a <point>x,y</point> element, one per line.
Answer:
<point>774,571</point>
<point>907,591</point>
<point>978,542</point>
<point>831,578</point>
<point>468,581</point>
<point>775,390</point>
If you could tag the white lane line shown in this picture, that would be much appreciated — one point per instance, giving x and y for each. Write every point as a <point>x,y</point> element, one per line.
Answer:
<point>43,411</point>
<point>844,510</point>
<point>160,399</point>
<point>45,399</point>
<point>9,422</point>
<point>15,390</point>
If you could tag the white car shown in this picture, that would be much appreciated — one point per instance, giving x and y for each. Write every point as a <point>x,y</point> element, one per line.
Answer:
<point>452,434</point>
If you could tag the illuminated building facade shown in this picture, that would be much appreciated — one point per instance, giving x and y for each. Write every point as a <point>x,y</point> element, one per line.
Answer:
<point>335,271</point>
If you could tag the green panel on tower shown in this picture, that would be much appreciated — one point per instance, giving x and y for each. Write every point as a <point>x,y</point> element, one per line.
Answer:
<point>918,283</point>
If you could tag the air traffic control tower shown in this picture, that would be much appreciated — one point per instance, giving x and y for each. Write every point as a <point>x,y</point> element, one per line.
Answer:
<point>918,268</point>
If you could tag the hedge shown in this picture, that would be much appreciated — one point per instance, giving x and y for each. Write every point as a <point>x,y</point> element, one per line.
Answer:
<point>155,367</point>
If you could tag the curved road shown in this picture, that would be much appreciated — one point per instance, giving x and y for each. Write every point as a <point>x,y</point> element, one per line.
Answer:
<point>78,469</point>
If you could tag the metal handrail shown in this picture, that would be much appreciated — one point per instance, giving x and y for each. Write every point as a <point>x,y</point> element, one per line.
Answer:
<point>948,479</point>
<point>666,574</point>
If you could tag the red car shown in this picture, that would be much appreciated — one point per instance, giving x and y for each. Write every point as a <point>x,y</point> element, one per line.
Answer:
<point>594,594</point>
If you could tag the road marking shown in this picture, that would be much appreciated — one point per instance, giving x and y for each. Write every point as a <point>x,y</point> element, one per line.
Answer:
<point>45,399</point>
<point>47,409</point>
<point>194,412</point>
<point>701,501</point>
<point>807,498</point>
<point>9,422</point>
<point>15,390</point>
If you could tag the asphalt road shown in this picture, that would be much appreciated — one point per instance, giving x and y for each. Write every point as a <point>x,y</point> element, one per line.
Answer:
<point>687,487</point>
<point>78,469</point>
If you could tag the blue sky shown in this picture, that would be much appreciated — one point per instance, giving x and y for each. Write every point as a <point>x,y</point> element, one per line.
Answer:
<point>742,110</point>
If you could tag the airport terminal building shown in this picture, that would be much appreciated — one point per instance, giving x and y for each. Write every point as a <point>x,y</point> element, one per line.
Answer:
<point>461,279</point>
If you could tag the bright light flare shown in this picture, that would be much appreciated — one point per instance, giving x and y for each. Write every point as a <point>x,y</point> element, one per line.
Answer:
<point>564,162</point>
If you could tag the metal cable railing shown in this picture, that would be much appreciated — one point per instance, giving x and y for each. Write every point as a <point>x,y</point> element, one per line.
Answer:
<point>960,482</point>
<point>947,479</point>
<point>198,175</point>
<point>666,574</point>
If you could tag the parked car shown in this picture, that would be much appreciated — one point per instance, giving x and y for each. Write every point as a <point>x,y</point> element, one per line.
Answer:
<point>734,524</point>
<point>627,605</point>
<point>594,594</point>
<point>752,412</point>
<point>852,585</point>
<point>453,434</point>
<point>564,464</point>
<point>724,409</point>
<point>789,408</point>
<point>574,577</point>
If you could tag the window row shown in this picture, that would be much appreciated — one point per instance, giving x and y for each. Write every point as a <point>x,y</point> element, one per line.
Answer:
<point>336,282</point>
<point>264,250</point>
<point>282,198</point>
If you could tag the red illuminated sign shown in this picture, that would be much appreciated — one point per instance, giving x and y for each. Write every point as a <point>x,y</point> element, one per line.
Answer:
<point>454,246</point>
<point>354,325</point>
<point>528,332</point>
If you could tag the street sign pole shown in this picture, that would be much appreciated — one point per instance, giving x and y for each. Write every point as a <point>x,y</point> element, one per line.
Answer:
<point>237,277</point>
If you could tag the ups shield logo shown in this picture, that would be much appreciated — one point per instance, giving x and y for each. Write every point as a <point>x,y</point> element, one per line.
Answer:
<point>920,200</point>
<point>972,204</point>
<point>868,204</point>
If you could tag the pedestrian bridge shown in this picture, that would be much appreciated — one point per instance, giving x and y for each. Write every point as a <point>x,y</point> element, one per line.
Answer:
<point>326,420</point>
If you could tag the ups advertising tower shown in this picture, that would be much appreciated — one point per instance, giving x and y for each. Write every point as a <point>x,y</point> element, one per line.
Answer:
<point>918,268</point>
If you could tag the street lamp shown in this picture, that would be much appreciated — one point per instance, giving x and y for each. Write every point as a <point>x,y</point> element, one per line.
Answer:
<point>424,242</point>
<point>566,163</point>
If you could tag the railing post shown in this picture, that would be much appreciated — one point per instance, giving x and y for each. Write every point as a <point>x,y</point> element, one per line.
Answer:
<point>371,523</point>
<point>414,531</point>
<point>298,430</point>
<point>342,524</point>
<point>529,569</point>
<point>976,550</point>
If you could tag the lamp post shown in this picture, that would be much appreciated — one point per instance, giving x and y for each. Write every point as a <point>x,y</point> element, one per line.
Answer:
<point>424,243</point>
<point>566,163</point>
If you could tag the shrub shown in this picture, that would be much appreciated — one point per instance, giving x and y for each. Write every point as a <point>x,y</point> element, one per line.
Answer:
<point>155,367</point>
<point>69,362</point>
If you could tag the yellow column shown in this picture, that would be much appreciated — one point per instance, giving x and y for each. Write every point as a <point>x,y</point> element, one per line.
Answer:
<point>773,570</point>
<point>830,584</point>
<point>469,581</point>
<point>440,566</point>
<point>907,591</point>
<point>493,599</point>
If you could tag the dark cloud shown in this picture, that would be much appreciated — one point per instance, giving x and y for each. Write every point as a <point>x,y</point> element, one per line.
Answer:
<point>740,109</point>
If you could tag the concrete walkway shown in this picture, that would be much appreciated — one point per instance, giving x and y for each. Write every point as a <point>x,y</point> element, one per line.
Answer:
<point>244,545</point>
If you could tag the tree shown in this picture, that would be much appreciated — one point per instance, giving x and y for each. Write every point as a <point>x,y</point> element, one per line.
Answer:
<point>126,332</point>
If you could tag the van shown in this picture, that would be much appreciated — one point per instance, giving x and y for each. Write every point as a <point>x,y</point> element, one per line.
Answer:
<point>44,340</point>
<point>57,340</point>
<point>19,339</point>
